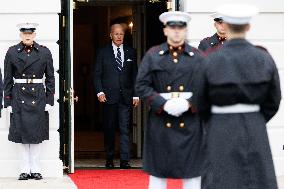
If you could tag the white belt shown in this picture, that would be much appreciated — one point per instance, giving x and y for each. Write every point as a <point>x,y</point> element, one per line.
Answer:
<point>236,108</point>
<point>185,95</point>
<point>28,81</point>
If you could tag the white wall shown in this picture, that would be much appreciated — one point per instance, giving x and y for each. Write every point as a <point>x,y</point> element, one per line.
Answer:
<point>267,30</point>
<point>43,12</point>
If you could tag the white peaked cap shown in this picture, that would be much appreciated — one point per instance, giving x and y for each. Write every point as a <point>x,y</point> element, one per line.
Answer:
<point>216,15</point>
<point>27,26</point>
<point>174,16</point>
<point>238,14</point>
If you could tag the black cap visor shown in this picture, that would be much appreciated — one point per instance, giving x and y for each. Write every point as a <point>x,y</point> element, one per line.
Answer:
<point>176,24</point>
<point>27,30</point>
<point>218,19</point>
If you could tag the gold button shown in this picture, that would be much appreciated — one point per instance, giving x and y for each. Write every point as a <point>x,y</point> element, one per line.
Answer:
<point>181,125</point>
<point>169,88</point>
<point>175,53</point>
<point>181,88</point>
<point>23,102</point>
<point>23,88</point>
<point>171,47</point>
<point>169,125</point>
<point>33,75</point>
<point>179,48</point>
<point>33,102</point>
<point>24,75</point>
<point>175,60</point>
<point>33,89</point>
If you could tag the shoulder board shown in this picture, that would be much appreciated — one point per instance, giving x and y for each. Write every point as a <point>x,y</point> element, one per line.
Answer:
<point>212,49</point>
<point>261,47</point>
<point>197,51</point>
<point>153,49</point>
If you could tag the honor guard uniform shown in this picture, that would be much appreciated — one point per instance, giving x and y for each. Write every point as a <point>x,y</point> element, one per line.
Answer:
<point>239,93</point>
<point>173,135</point>
<point>29,87</point>
<point>217,39</point>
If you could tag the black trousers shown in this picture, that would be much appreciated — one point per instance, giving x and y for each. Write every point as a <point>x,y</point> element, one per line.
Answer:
<point>117,114</point>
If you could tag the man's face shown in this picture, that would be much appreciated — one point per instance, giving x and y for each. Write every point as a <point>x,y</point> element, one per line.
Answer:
<point>28,37</point>
<point>219,25</point>
<point>175,34</point>
<point>117,35</point>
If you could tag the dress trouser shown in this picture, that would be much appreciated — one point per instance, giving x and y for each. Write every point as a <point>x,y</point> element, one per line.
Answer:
<point>161,183</point>
<point>30,158</point>
<point>117,114</point>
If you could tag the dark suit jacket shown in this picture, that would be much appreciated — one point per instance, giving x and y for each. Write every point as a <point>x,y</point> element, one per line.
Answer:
<point>111,81</point>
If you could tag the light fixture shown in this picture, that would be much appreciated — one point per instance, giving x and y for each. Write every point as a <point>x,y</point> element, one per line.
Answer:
<point>130,25</point>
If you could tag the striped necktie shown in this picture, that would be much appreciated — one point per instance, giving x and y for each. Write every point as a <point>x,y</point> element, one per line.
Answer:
<point>118,60</point>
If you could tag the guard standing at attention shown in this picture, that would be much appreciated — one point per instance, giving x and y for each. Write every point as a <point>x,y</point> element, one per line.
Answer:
<point>239,92</point>
<point>29,88</point>
<point>217,39</point>
<point>173,135</point>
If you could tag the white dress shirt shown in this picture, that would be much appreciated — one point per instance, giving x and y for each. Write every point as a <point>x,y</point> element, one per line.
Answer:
<point>121,50</point>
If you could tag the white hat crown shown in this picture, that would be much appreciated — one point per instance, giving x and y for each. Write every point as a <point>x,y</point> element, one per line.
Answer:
<point>174,16</point>
<point>238,14</point>
<point>27,25</point>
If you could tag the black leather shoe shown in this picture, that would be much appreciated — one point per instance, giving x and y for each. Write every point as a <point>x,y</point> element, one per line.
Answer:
<point>109,164</point>
<point>125,165</point>
<point>36,176</point>
<point>24,176</point>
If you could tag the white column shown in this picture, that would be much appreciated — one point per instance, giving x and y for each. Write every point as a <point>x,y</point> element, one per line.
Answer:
<point>44,12</point>
<point>268,31</point>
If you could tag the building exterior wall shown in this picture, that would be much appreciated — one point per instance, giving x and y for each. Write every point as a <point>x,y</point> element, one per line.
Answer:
<point>267,30</point>
<point>44,12</point>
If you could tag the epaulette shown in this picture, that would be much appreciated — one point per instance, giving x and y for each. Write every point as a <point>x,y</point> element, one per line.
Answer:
<point>43,46</point>
<point>261,47</point>
<point>212,49</point>
<point>198,51</point>
<point>153,49</point>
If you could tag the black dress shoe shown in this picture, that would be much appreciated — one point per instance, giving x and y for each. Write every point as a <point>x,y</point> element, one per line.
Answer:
<point>24,176</point>
<point>109,165</point>
<point>125,165</point>
<point>36,176</point>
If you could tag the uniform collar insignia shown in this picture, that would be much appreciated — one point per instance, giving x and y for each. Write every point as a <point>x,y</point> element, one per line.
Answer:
<point>165,49</point>
<point>161,52</point>
<point>21,46</point>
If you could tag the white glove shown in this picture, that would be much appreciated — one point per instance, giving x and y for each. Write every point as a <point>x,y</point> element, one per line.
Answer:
<point>170,108</point>
<point>47,107</point>
<point>9,109</point>
<point>176,106</point>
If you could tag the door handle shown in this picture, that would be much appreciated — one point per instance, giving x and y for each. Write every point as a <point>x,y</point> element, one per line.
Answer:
<point>70,97</point>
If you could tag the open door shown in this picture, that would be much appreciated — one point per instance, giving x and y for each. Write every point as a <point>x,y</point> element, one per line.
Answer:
<point>143,37</point>
<point>67,94</point>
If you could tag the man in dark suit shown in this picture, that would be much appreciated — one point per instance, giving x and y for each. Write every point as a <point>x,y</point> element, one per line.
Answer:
<point>217,39</point>
<point>114,79</point>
